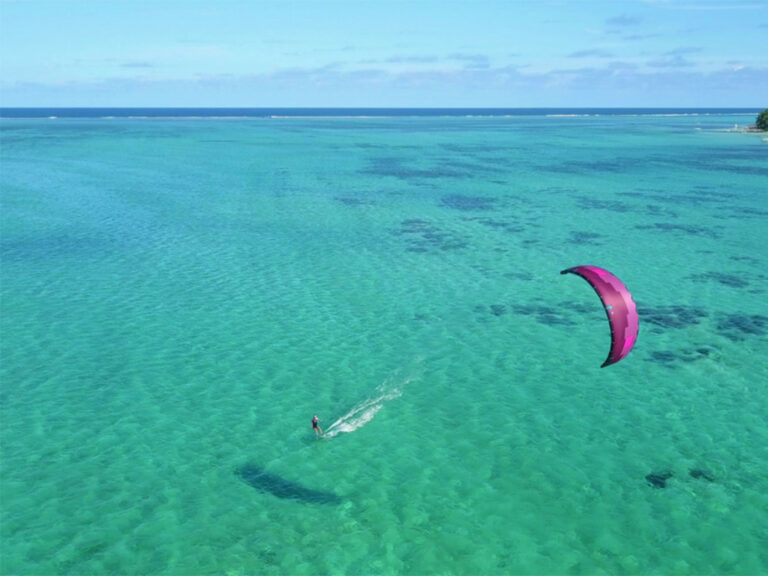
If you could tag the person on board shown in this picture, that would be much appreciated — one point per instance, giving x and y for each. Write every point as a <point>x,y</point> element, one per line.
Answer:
<point>316,426</point>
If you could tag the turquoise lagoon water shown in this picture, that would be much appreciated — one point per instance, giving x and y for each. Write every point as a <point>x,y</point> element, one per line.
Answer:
<point>181,295</point>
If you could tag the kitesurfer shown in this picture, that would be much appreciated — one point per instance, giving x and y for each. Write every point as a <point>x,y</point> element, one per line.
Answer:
<point>316,426</point>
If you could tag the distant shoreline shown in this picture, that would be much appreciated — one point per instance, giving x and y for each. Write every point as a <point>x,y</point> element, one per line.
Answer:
<point>341,113</point>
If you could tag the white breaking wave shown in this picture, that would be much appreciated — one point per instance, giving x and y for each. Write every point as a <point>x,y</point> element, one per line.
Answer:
<point>364,412</point>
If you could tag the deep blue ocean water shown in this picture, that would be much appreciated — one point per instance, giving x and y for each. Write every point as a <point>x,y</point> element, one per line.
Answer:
<point>180,294</point>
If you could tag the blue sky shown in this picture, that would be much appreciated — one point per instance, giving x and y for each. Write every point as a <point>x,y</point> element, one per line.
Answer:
<point>511,53</point>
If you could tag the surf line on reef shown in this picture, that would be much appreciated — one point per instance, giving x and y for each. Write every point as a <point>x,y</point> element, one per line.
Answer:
<point>364,411</point>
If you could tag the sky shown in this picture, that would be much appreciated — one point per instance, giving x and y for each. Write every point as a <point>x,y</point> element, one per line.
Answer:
<point>377,53</point>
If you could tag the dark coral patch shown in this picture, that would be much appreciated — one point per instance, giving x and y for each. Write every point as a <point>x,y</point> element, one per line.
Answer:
<point>581,307</point>
<point>654,210</point>
<point>472,168</point>
<point>669,357</point>
<point>560,190</point>
<point>475,150</point>
<point>585,238</point>
<point>581,167</point>
<point>423,236</point>
<point>664,356</point>
<point>658,480</point>
<point>543,314</point>
<point>414,225</point>
<point>399,168</point>
<point>595,204</point>
<point>735,326</point>
<point>672,316</point>
<point>498,224</point>
<point>525,276</point>
<point>730,280</point>
<point>498,309</point>
<point>464,202</point>
<point>351,201</point>
<point>748,211</point>
<point>697,199</point>
<point>696,196</point>
<point>702,474</point>
<point>484,311</point>
<point>679,228</point>
<point>746,259</point>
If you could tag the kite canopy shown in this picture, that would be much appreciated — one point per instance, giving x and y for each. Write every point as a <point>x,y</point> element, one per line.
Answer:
<point>619,307</point>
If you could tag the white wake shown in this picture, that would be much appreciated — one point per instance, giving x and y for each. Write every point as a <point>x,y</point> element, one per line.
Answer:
<point>364,412</point>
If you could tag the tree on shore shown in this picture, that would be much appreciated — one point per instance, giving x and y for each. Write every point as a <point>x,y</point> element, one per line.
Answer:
<point>762,120</point>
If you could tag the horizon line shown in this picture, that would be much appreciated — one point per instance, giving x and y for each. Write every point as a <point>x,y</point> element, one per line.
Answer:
<point>383,107</point>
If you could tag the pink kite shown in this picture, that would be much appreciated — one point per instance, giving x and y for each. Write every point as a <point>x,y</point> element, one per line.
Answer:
<point>619,306</point>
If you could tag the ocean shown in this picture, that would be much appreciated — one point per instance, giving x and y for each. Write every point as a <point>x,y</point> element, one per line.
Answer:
<point>182,290</point>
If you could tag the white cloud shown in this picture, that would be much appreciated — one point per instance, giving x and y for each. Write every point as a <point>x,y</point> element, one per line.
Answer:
<point>411,59</point>
<point>616,83</point>
<point>623,20</point>
<point>471,60</point>
<point>676,61</point>
<point>595,53</point>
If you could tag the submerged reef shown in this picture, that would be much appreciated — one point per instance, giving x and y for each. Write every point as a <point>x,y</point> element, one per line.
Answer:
<point>736,326</point>
<point>586,238</point>
<point>507,226</point>
<point>353,201</point>
<point>467,203</point>
<point>543,314</point>
<point>702,474</point>
<point>498,309</point>
<point>672,316</point>
<point>424,236</point>
<point>669,357</point>
<point>658,479</point>
<point>680,229</point>
<point>399,167</point>
<point>730,280</point>
<point>597,204</point>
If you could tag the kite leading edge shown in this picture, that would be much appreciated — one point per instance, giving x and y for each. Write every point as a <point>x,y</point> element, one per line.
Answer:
<point>619,307</point>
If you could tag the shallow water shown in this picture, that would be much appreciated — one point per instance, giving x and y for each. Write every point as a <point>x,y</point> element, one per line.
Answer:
<point>180,296</point>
